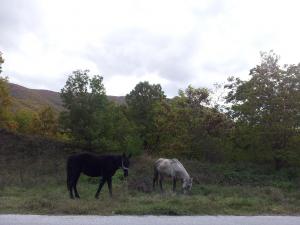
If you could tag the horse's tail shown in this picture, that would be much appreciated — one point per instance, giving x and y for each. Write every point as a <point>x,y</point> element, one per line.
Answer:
<point>69,171</point>
<point>155,176</point>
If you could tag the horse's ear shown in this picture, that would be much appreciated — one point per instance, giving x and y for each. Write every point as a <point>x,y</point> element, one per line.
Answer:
<point>129,156</point>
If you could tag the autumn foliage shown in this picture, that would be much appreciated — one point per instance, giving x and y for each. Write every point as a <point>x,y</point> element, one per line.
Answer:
<point>257,122</point>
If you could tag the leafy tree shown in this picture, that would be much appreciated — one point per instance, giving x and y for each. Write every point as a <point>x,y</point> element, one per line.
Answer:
<point>188,128</point>
<point>24,120</point>
<point>5,102</point>
<point>1,61</point>
<point>120,134</point>
<point>266,109</point>
<point>45,122</point>
<point>85,101</point>
<point>141,101</point>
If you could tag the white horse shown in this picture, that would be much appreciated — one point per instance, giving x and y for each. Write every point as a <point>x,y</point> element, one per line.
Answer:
<point>174,169</point>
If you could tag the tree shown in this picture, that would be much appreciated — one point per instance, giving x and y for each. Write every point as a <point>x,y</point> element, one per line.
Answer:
<point>187,127</point>
<point>5,102</point>
<point>1,61</point>
<point>120,134</point>
<point>141,101</point>
<point>24,120</point>
<point>45,122</point>
<point>266,109</point>
<point>85,101</point>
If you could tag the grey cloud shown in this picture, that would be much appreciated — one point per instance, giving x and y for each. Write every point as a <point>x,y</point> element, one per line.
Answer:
<point>138,52</point>
<point>42,81</point>
<point>16,17</point>
<point>215,8</point>
<point>231,66</point>
<point>134,51</point>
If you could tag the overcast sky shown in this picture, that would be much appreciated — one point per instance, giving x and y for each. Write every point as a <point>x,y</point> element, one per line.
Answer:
<point>174,43</point>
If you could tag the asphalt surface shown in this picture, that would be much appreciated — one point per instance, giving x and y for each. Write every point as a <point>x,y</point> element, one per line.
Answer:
<point>147,220</point>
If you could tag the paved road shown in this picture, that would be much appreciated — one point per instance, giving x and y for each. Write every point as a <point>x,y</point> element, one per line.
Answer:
<point>148,220</point>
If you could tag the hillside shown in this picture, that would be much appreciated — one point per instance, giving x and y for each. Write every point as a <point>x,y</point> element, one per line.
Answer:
<point>33,99</point>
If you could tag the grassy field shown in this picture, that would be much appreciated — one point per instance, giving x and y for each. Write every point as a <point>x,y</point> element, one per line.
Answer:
<point>204,200</point>
<point>33,180</point>
<point>215,191</point>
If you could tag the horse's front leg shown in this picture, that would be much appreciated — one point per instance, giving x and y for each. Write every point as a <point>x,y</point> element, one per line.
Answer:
<point>76,192</point>
<point>102,181</point>
<point>109,184</point>
<point>174,184</point>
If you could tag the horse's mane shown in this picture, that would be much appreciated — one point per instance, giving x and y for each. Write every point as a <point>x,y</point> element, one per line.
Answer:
<point>175,162</point>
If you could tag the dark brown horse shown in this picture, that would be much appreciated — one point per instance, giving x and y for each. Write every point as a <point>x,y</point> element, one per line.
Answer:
<point>93,165</point>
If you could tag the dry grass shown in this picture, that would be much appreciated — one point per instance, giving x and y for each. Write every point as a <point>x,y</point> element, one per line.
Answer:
<point>207,200</point>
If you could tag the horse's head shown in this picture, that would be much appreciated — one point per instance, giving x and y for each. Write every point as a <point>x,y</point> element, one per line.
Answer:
<point>187,185</point>
<point>125,163</point>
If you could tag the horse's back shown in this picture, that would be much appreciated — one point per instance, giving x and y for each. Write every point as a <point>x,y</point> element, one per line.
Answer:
<point>161,162</point>
<point>82,158</point>
<point>163,167</point>
<point>169,167</point>
<point>88,163</point>
<point>177,165</point>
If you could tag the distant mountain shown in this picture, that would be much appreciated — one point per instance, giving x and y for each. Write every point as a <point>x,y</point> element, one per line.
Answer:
<point>33,99</point>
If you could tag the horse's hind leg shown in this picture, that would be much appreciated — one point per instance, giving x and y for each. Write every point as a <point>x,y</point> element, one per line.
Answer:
<point>76,192</point>
<point>155,177</point>
<point>72,186</point>
<point>70,179</point>
<point>109,184</point>
<point>102,181</point>
<point>160,184</point>
<point>154,182</point>
<point>75,186</point>
<point>69,186</point>
<point>71,192</point>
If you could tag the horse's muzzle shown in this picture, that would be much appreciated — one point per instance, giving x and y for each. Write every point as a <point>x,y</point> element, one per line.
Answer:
<point>125,173</point>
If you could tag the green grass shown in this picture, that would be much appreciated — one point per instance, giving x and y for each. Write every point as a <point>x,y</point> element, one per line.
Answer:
<point>33,181</point>
<point>218,189</point>
<point>203,200</point>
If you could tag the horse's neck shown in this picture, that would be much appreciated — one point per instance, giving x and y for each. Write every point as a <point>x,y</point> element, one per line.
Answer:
<point>181,172</point>
<point>119,160</point>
